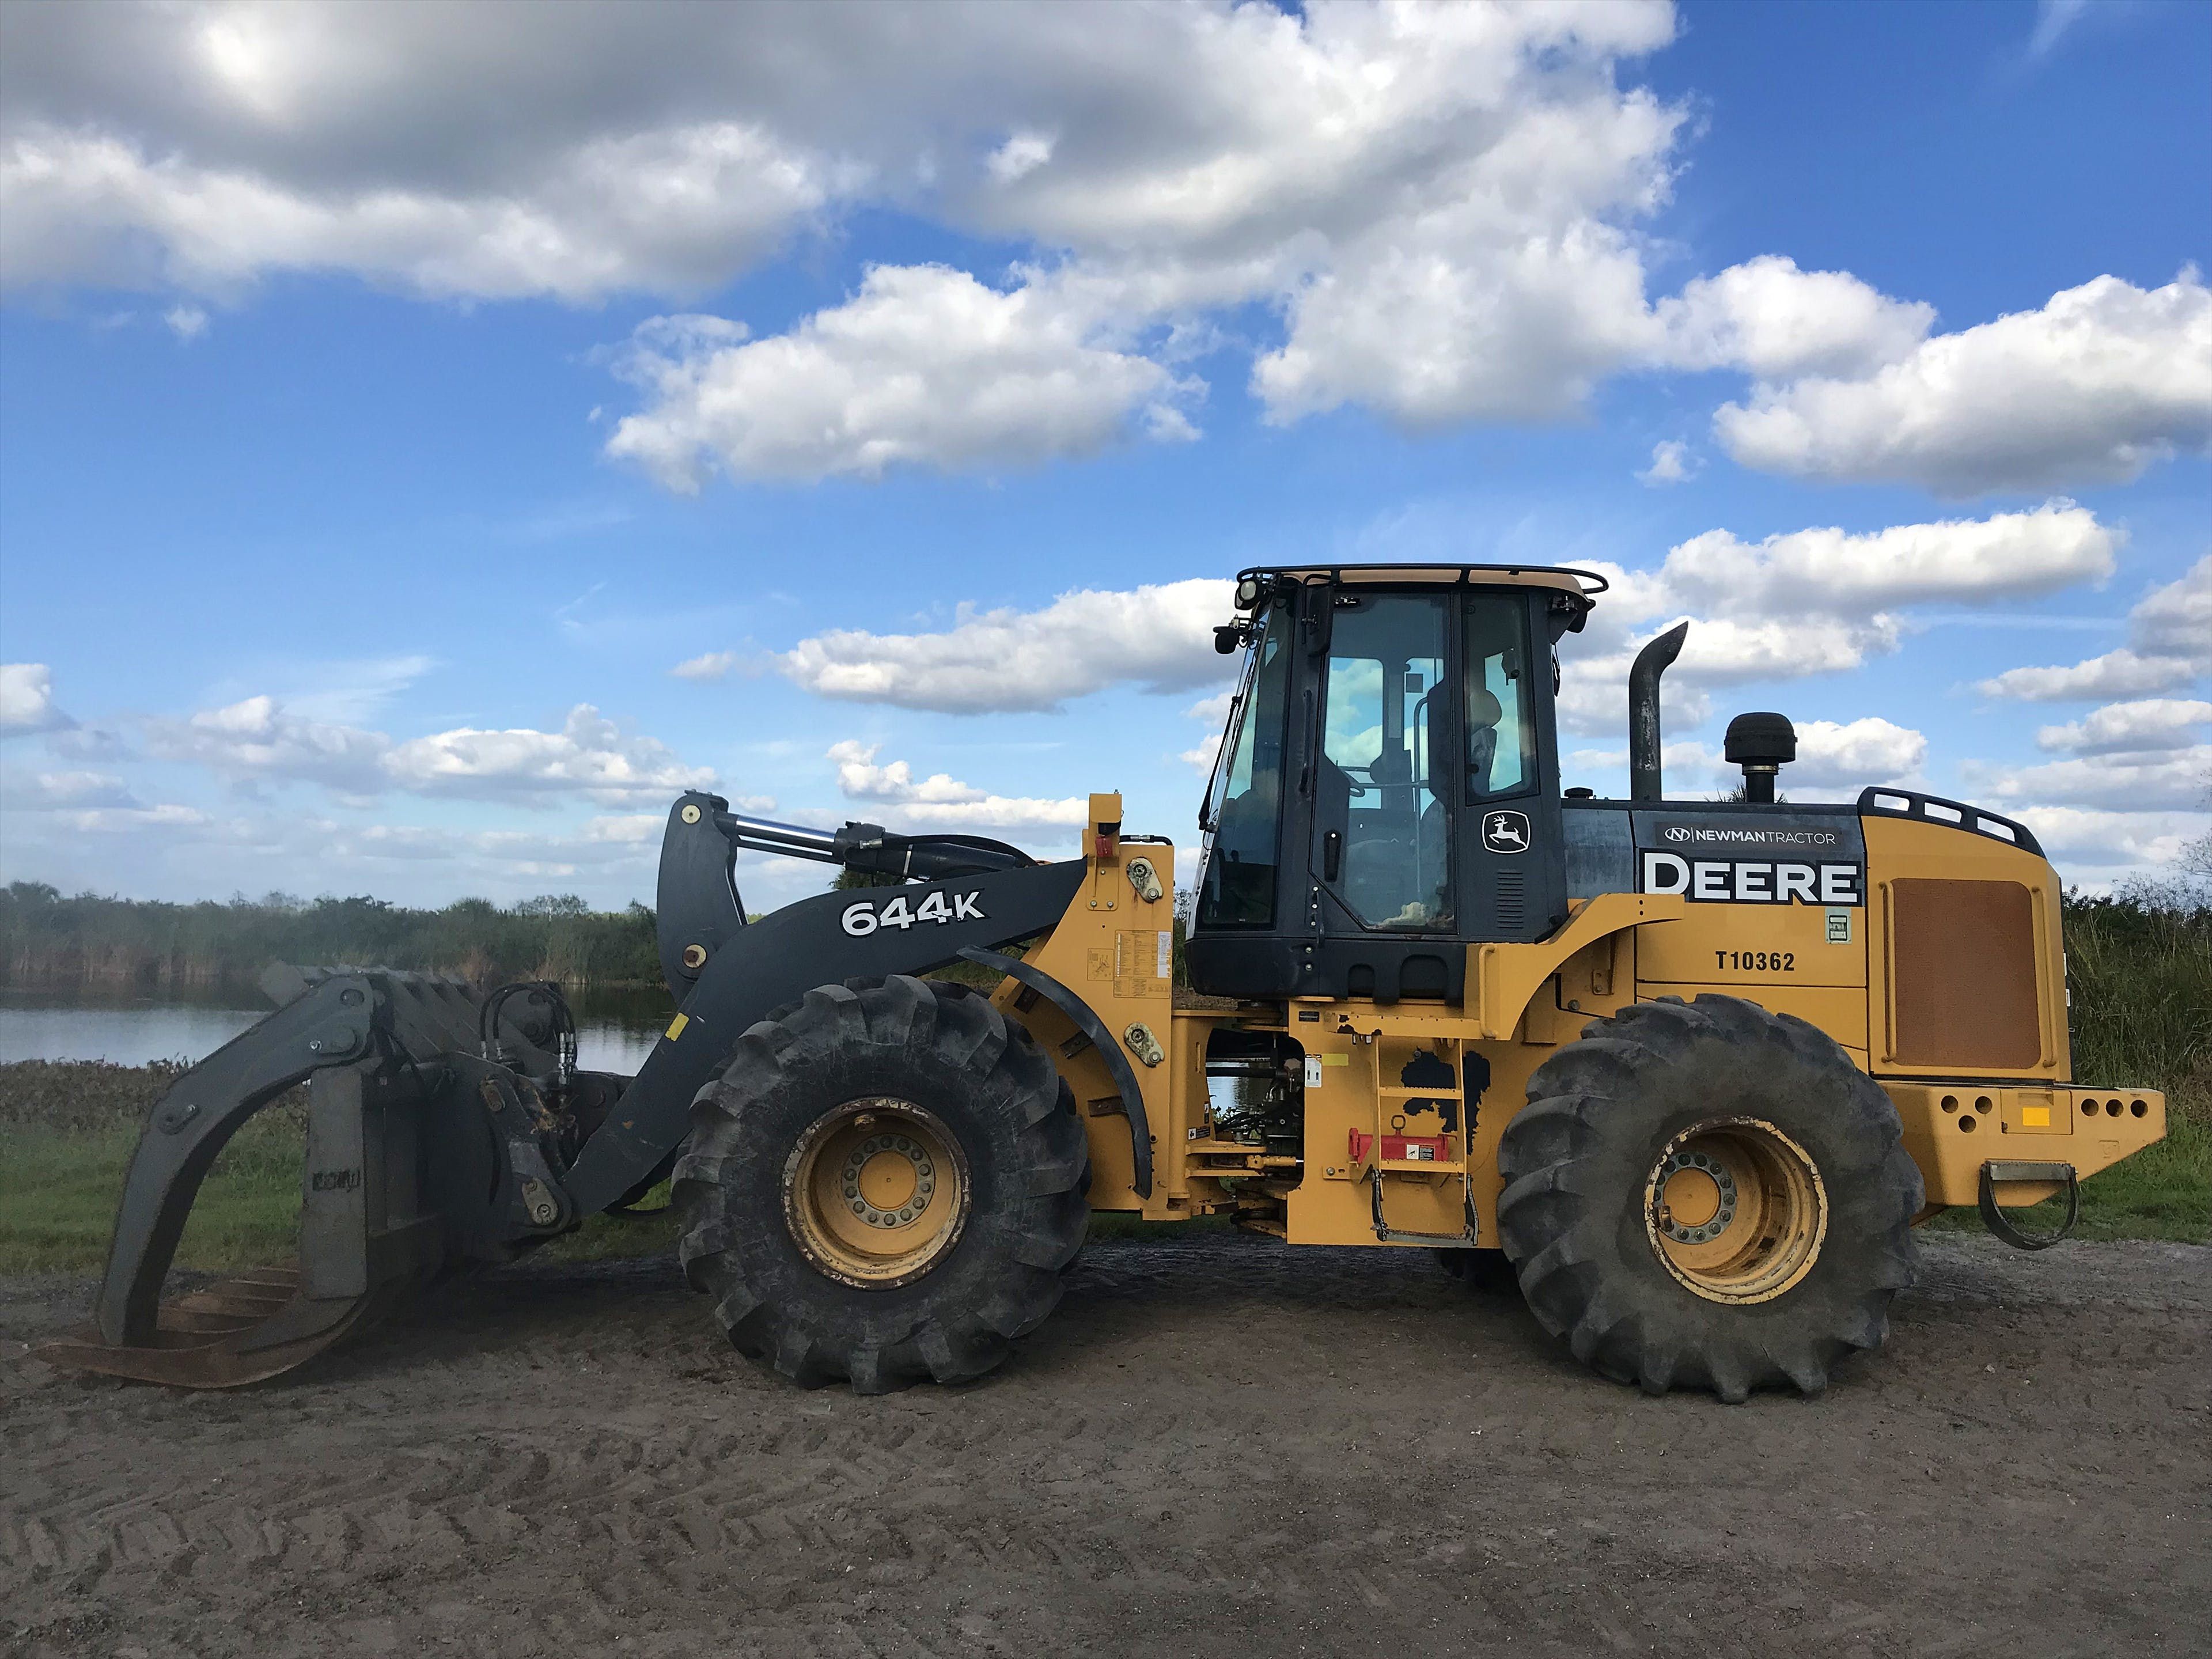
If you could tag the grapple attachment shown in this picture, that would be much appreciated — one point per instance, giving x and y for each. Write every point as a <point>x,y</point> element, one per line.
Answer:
<point>420,1153</point>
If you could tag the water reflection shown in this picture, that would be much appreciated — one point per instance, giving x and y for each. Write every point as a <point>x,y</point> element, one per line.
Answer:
<point>615,1029</point>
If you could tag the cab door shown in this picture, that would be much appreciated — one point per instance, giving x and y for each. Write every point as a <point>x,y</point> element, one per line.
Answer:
<point>1511,858</point>
<point>1383,808</point>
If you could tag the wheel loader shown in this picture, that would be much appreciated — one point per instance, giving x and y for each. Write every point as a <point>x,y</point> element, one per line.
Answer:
<point>1687,1072</point>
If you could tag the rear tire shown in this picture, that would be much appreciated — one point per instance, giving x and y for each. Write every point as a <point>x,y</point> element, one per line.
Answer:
<point>1708,1195</point>
<point>884,1186</point>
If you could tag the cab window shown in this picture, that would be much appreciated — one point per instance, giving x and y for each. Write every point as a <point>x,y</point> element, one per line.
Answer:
<point>1384,844</point>
<point>1501,751</point>
<point>1243,810</point>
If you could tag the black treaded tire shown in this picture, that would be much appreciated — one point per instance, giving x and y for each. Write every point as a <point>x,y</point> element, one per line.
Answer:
<point>1576,1159</point>
<point>988,1081</point>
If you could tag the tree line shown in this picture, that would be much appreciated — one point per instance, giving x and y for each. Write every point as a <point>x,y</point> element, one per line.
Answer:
<point>50,941</point>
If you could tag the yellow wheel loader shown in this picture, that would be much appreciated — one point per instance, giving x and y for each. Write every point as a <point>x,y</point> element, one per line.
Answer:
<point>1686,1072</point>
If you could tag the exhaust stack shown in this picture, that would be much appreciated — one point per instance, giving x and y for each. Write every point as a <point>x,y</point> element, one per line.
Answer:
<point>1651,662</point>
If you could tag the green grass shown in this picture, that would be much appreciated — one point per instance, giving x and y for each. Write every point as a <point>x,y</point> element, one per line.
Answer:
<point>58,1190</point>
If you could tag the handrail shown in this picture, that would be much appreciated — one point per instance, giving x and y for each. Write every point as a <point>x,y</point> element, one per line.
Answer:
<point>1893,802</point>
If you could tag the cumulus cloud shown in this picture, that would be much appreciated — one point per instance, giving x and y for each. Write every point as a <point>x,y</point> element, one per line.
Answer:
<point>2170,645</point>
<point>591,756</point>
<point>27,700</point>
<point>1768,317</point>
<point>942,802</point>
<point>2101,837</point>
<point>2007,556</point>
<point>1856,752</point>
<point>671,209</point>
<point>1814,601</point>
<point>924,366</point>
<point>2154,779</point>
<point>1160,638</point>
<point>1671,464</point>
<point>258,739</point>
<point>2101,381</point>
<point>2128,728</point>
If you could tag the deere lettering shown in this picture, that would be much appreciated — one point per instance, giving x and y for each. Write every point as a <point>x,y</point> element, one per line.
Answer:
<point>1744,881</point>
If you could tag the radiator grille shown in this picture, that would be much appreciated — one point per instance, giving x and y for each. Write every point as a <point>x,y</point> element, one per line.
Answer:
<point>1962,971</point>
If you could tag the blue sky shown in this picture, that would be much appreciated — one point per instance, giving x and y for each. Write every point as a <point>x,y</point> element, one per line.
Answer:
<point>388,411</point>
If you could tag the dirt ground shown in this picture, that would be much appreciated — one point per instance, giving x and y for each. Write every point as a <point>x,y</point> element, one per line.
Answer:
<point>1216,1446</point>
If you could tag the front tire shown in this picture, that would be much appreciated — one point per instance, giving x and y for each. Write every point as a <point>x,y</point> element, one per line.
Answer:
<point>883,1187</point>
<point>1708,1195</point>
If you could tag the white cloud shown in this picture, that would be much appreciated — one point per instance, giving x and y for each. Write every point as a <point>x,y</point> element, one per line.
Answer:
<point>2098,836</point>
<point>1813,601</point>
<point>589,754</point>
<point>258,739</point>
<point>2171,645</point>
<point>2175,779</point>
<point>709,665</point>
<point>924,366</point>
<point>2121,673</point>
<point>2006,555</point>
<point>1671,464</point>
<point>942,802</point>
<point>27,700</point>
<point>186,322</point>
<point>2101,381</point>
<point>1158,637</point>
<point>1023,153</point>
<point>2127,728</point>
<point>1215,712</point>
<point>1856,752</point>
<point>672,210</point>
<point>1776,321</point>
<point>628,829</point>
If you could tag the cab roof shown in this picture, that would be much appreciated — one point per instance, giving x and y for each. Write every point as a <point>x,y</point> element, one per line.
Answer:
<point>1584,585</point>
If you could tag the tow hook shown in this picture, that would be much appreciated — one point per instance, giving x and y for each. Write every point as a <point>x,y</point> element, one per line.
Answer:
<point>1996,1219</point>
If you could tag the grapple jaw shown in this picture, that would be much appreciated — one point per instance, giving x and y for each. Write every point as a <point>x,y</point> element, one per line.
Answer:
<point>420,1155</point>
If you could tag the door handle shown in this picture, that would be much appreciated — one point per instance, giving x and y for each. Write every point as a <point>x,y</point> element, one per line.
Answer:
<point>1332,855</point>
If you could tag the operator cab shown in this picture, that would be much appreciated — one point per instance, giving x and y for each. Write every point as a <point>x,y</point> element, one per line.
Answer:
<point>1387,788</point>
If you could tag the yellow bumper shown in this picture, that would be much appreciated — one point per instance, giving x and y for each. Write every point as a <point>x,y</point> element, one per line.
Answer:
<point>1952,1129</point>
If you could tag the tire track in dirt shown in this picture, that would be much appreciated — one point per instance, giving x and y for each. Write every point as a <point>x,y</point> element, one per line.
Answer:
<point>1225,1445</point>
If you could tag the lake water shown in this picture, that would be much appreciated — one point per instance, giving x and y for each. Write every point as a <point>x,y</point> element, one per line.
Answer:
<point>614,1031</point>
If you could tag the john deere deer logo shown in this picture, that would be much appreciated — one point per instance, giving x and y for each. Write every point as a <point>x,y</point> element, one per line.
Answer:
<point>1506,832</point>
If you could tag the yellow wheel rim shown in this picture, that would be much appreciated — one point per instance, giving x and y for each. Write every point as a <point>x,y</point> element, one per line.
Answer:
<point>1736,1209</point>
<point>876,1192</point>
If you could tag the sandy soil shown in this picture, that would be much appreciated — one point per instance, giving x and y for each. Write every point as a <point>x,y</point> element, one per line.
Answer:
<point>1218,1446</point>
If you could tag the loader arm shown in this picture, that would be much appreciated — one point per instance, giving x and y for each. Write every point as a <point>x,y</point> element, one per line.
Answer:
<point>822,941</point>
